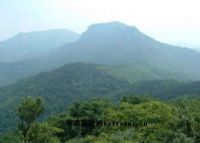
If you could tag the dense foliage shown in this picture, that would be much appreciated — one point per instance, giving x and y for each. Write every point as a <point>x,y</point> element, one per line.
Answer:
<point>60,88</point>
<point>167,89</point>
<point>175,121</point>
<point>28,111</point>
<point>82,82</point>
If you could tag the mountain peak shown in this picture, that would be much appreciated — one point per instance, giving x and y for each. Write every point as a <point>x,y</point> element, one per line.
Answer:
<point>111,25</point>
<point>112,30</point>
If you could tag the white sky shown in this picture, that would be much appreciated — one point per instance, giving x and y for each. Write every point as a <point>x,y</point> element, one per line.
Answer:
<point>165,20</point>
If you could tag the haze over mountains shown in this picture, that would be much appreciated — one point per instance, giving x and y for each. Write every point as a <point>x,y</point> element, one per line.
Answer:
<point>139,56</point>
<point>118,44</point>
<point>54,64</point>
<point>26,46</point>
<point>18,54</point>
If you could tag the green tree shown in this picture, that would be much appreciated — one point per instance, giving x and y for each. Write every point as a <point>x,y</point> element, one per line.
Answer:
<point>28,111</point>
<point>42,133</point>
<point>10,137</point>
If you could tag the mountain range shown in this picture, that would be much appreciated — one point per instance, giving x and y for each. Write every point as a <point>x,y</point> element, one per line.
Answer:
<point>108,60</point>
<point>18,53</point>
<point>127,51</point>
<point>118,44</point>
<point>123,51</point>
<point>25,46</point>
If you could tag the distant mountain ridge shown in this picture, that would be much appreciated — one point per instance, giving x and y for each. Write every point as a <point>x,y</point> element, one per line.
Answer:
<point>19,53</point>
<point>136,55</point>
<point>32,45</point>
<point>115,43</point>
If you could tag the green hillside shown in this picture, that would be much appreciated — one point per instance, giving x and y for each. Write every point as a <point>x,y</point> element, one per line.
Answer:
<point>167,89</point>
<point>144,72</point>
<point>135,119</point>
<point>60,88</point>
<point>81,82</point>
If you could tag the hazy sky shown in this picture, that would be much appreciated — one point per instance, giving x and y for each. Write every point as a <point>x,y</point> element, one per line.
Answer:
<point>165,20</point>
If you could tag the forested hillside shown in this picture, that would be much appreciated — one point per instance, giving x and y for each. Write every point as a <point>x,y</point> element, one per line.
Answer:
<point>167,89</point>
<point>81,82</point>
<point>70,72</point>
<point>135,119</point>
<point>60,88</point>
<point>142,72</point>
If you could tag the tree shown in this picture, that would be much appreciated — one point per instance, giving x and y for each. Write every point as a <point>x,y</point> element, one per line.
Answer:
<point>42,133</point>
<point>28,111</point>
<point>11,137</point>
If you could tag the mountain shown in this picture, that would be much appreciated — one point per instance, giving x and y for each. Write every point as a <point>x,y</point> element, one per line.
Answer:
<point>115,43</point>
<point>19,54</point>
<point>32,45</point>
<point>60,88</point>
<point>128,52</point>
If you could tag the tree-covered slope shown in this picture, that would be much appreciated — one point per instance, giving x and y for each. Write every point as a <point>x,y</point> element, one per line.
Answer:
<point>135,119</point>
<point>60,88</point>
<point>167,89</point>
<point>12,72</point>
<point>143,72</point>
<point>78,82</point>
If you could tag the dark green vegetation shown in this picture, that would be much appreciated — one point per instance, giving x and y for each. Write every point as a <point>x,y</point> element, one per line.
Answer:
<point>28,111</point>
<point>81,82</point>
<point>141,72</point>
<point>177,121</point>
<point>60,88</point>
<point>167,89</point>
